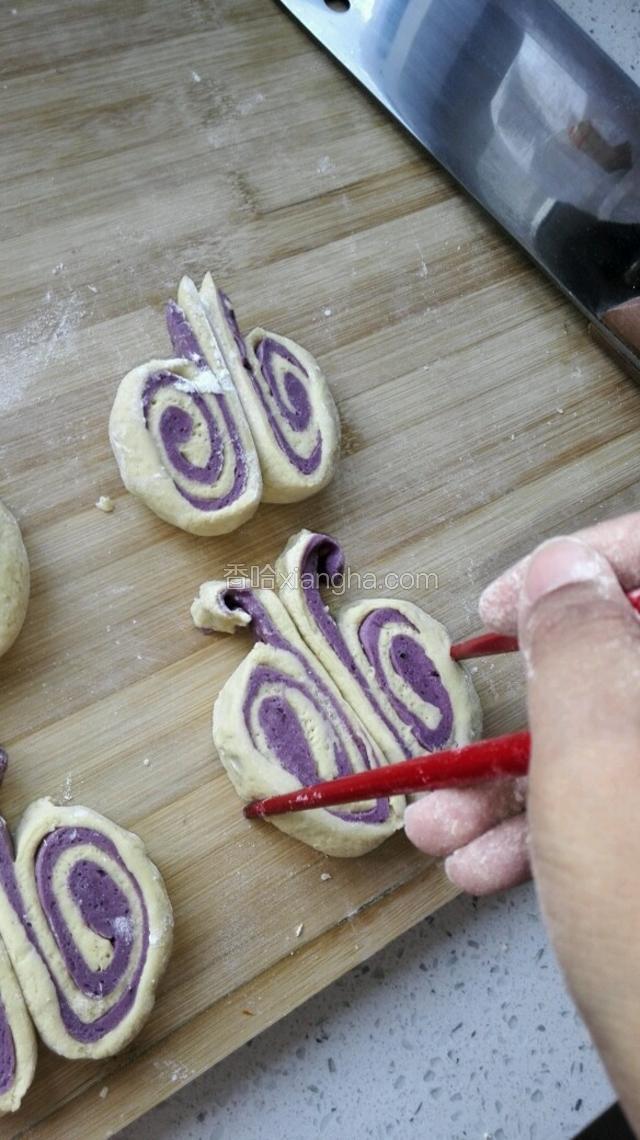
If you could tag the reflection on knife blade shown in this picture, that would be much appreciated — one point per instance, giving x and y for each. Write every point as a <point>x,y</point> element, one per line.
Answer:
<point>529,115</point>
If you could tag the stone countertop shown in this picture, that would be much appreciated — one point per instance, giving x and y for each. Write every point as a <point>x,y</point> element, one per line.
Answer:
<point>460,1029</point>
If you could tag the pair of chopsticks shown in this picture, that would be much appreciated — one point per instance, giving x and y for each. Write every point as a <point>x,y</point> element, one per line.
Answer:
<point>474,763</point>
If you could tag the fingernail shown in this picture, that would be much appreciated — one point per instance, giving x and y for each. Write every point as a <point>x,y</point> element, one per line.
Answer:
<point>564,562</point>
<point>558,563</point>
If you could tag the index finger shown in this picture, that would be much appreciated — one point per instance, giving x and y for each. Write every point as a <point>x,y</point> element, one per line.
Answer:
<point>618,540</point>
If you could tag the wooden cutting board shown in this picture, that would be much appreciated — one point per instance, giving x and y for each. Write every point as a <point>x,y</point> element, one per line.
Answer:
<point>142,141</point>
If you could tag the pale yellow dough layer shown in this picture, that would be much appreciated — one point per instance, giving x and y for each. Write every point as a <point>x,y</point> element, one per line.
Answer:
<point>141,462</point>
<point>282,481</point>
<point>14,580</point>
<point>467,711</point>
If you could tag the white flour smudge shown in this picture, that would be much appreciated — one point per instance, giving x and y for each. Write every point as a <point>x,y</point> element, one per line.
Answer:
<point>250,102</point>
<point>28,350</point>
<point>325,165</point>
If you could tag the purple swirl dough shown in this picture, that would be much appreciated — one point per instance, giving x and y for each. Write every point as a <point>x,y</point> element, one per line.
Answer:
<point>296,409</point>
<point>104,909</point>
<point>183,339</point>
<point>412,665</point>
<point>323,559</point>
<point>277,718</point>
<point>234,328</point>
<point>175,430</point>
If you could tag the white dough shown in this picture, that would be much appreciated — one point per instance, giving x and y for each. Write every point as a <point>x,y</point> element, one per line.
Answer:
<point>14,580</point>
<point>213,340</point>
<point>145,468</point>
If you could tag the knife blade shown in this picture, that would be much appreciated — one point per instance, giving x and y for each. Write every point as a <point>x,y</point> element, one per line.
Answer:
<point>529,115</point>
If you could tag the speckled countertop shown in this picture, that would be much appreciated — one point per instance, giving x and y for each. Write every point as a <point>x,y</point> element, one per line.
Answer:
<point>460,1029</point>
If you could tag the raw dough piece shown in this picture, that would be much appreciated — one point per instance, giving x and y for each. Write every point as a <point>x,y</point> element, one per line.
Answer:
<point>279,723</point>
<point>390,660</point>
<point>182,443</point>
<point>14,580</point>
<point>18,1048</point>
<point>87,924</point>
<point>181,429</point>
<point>286,399</point>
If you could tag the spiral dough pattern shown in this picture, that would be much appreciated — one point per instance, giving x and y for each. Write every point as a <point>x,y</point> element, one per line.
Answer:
<point>87,925</point>
<point>279,723</point>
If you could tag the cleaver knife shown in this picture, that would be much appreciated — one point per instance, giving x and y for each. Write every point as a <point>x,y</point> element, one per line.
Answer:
<point>529,115</point>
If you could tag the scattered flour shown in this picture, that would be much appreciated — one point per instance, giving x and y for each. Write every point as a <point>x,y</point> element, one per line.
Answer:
<point>325,165</point>
<point>123,928</point>
<point>174,1070</point>
<point>423,270</point>
<point>249,103</point>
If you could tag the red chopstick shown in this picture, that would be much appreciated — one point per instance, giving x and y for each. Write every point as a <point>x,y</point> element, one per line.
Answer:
<point>486,644</point>
<point>503,756</point>
<point>484,760</point>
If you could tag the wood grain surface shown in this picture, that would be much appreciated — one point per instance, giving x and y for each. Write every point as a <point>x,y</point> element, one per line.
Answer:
<point>141,141</point>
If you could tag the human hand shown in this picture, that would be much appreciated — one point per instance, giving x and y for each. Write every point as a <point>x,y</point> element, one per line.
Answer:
<point>581,643</point>
<point>483,831</point>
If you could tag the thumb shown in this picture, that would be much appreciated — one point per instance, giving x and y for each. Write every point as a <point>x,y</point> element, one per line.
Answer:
<point>581,644</point>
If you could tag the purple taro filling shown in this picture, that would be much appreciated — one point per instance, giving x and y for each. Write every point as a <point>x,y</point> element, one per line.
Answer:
<point>7,1053</point>
<point>415,669</point>
<point>183,339</point>
<point>323,557</point>
<point>234,327</point>
<point>175,430</point>
<point>296,409</point>
<point>100,902</point>
<point>278,720</point>
<point>104,909</point>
